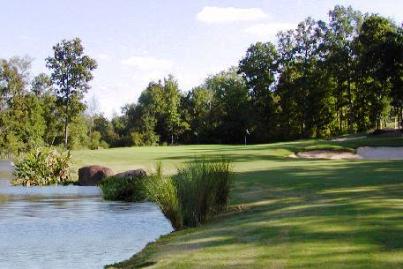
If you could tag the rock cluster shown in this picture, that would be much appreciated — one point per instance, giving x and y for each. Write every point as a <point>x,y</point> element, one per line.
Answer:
<point>92,175</point>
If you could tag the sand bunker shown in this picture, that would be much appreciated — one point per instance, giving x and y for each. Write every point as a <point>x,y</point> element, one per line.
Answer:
<point>341,139</point>
<point>363,153</point>
<point>326,154</point>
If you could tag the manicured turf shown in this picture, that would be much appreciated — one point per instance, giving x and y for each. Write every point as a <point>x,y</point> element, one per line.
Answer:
<point>285,213</point>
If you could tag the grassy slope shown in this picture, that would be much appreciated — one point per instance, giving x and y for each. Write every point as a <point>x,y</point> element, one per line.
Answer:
<point>284,212</point>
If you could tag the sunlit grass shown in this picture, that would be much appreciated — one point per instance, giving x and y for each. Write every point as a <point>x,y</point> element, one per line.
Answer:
<point>284,213</point>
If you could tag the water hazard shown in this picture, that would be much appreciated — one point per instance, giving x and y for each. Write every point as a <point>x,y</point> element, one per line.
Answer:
<point>71,227</point>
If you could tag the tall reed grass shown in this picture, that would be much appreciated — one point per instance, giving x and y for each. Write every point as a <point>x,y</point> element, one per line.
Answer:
<point>200,190</point>
<point>162,190</point>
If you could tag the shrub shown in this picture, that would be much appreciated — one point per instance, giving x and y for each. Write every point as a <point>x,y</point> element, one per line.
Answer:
<point>137,139</point>
<point>143,138</point>
<point>199,190</point>
<point>94,140</point>
<point>122,189</point>
<point>42,166</point>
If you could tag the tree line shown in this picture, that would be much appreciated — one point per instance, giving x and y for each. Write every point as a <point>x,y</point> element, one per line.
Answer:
<point>321,79</point>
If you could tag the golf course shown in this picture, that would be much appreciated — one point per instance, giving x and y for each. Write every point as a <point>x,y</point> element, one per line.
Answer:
<point>284,212</point>
<point>201,134</point>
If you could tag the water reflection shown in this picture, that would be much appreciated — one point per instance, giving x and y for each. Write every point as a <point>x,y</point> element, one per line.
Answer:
<point>71,227</point>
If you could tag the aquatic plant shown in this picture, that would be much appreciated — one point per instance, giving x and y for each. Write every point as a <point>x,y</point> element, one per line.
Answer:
<point>42,166</point>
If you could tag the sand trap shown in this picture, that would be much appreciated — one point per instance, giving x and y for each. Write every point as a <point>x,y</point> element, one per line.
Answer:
<point>341,139</point>
<point>363,153</point>
<point>326,154</point>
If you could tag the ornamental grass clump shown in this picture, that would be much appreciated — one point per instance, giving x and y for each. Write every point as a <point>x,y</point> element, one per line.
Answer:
<point>203,188</point>
<point>162,190</point>
<point>200,190</point>
<point>42,166</point>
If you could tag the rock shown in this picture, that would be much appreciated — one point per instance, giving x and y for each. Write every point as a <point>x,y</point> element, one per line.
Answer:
<point>93,174</point>
<point>132,174</point>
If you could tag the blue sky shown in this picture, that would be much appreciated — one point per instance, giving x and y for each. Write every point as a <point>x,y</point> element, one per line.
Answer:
<point>135,41</point>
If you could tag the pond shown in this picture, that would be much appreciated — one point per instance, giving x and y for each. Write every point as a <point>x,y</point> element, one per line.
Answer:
<point>71,227</point>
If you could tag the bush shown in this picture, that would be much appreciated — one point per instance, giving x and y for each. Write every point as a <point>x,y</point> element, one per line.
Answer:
<point>122,189</point>
<point>199,190</point>
<point>42,166</point>
<point>94,140</point>
<point>143,138</point>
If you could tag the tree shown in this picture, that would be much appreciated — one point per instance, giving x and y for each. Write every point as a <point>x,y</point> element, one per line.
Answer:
<point>13,79</point>
<point>301,53</point>
<point>71,73</point>
<point>374,68</point>
<point>394,66</point>
<point>258,68</point>
<point>229,116</point>
<point>21,113</point>
<point>198,106</point>
<point>159,112</point>
<point>41,84</point>
<point>172,95</point>
<point>341,60</point>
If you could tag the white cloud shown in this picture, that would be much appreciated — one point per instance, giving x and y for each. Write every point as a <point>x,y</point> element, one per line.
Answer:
<point>145,63</point>
<point>269,29</point>
<point>229,14</point>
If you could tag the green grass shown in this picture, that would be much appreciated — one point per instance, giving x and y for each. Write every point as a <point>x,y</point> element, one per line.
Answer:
<point>284,213</point>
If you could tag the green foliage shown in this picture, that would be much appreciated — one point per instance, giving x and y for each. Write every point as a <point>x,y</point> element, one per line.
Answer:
<point>42,166</point>
<point>323,78</point>
<point>71,73</point>
<point>200,190</point>
<point>123,189</point>
<point>96,142</point>
<point>79,133</point>
<point>259,67</point>
<point>158,112</point>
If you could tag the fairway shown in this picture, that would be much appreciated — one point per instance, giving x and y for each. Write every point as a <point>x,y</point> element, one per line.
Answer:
<point>285,213</point>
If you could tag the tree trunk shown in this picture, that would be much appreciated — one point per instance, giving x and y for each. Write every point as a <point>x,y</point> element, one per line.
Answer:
<point>350,107</point>
<point>66,123</point>
<point>396,122</point>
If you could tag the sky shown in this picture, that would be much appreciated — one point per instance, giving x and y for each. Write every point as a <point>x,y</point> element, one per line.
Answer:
<point>136,41</point>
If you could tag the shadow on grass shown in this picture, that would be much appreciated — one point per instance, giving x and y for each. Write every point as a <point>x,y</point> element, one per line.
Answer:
<point>341,215</point>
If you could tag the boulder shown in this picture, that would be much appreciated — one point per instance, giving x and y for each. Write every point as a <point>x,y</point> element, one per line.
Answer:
<point>93,174</point>
<point>137,173</point>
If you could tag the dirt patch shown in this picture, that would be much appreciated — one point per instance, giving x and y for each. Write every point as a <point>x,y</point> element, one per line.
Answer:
<point>363,153</point>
